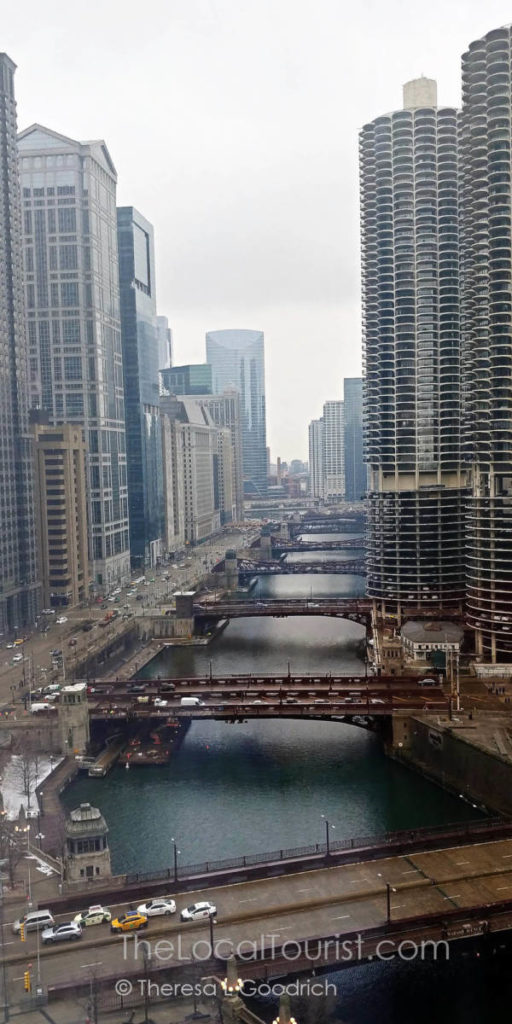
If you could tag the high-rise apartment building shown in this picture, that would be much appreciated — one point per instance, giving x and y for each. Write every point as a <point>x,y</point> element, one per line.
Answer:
<point>334,451</point>
<point>62,513</point>
<point>192,379</point>
<point>411,324</point>
<point>355,469</point>
<point>486,236</point>
<point>19,578</point>
<point>164,334</point>
<point>141,359</point>
<point>316,458</point>
<point>237,358</point>
<point>73,322</point>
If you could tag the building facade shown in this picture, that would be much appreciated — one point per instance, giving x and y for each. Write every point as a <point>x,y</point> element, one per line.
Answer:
<point>141,359</point>
<point>355,469</point>
<point>193,379</point>
<point>237,359</point>
<point>164,334</point>
<point>20,590</point>
<point>486,236</point>
<point>225,411</point>
<point>73,322</point>
<point>62,514</point>
<point>334,451</point>
<point>316,458</point>
<point>411,330</point>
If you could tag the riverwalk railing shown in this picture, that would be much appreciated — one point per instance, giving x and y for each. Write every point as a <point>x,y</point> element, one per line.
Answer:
<point>456,830</point>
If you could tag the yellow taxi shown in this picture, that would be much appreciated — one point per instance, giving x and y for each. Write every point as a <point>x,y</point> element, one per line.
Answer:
<point>129,922</point>
<point>19,641</point>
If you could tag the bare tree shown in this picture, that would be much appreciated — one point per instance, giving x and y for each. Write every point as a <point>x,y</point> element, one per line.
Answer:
<point>11,850</point>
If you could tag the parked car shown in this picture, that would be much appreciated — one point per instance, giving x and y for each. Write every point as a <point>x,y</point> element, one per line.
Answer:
<point>130,922</point>
<point>69,932</point>
<point>197,911</point>
<point>94,915</point>
<point>163,906</point>
<point>61,620</point>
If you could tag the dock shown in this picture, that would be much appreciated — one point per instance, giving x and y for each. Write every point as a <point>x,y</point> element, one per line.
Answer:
<point>106,759</point>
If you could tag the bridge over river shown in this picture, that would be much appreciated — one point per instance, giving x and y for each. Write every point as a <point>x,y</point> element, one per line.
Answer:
<point>340,908</point>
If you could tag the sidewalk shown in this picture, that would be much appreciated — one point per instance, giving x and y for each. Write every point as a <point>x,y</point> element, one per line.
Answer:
<point>69,1013</point>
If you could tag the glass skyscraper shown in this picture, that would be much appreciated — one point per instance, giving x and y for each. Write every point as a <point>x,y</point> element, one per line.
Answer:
<point>192,379</point>
<point>19,586</point>
<point>355,469</point>
<point>141,358</point>
<point>73,321</point>
<point>237,358</point>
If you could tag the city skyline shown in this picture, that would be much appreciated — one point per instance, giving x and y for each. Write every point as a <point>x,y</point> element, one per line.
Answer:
<point>270,157</point>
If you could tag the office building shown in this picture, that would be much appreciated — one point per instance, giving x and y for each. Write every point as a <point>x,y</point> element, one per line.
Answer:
<point>201,464</point>
<point>411,330</point>
<point>316,458</point>
<point>141,357</point>
<point>173,460</point>
<point>20,589</point>
<point>334,451</point>
<point>486,236</point>
<point>355,469</point>
<point>62,513</point>
<point>73,322</point>
<point>194,379</point>
<point>225,411</point>
<point>237,359</point>
<point>164,334</point>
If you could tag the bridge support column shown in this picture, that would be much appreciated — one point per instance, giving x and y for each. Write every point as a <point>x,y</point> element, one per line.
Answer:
<point>265,545</point>
<point>231,1003</point>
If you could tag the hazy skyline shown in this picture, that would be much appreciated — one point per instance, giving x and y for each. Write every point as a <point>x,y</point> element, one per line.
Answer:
<point>234,129</point>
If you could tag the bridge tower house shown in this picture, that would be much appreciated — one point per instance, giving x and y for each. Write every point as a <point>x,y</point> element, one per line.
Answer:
<point>73,719</point>
<point>266,544</point>
<point>87,854</point>
<point>231,569</point>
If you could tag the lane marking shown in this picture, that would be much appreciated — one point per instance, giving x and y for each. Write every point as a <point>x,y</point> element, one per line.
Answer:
<point>310,889</point>
<point>412,871</point>
<point>97,963</point>
<point>459,863</point>
<point>250,899</point>
<point>342,918</point>
<point>500,887</point>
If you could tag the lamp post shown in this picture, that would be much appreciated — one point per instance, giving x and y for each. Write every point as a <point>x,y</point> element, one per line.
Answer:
<point>212,920</point>
<point>389,889</point>
<point>175,858</point>
<point>327,834</point>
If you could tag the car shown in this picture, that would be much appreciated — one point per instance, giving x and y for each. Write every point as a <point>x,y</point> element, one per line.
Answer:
<point>94,915</point>
<point>135,688</point>
<point>376,700</point>
<point>56,653</point>
<point>19,641</point>
<point>17,657</point>
<point>160,703</point>
<point>162,906</point>
<point>139,597</point>
<point>68,932</point>
<point>197,911</point>
<point>73,642</point>
<point>426,682</point>
<point>9,645</point>
<point>61,620</point>
<point>48,611</point>
<point>129,922</point>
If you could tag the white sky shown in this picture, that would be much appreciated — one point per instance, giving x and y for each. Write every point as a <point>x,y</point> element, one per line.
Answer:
<point>233,126</point>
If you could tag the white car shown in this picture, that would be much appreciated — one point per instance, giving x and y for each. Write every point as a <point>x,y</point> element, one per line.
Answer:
<point>197,911</point>
<point>17,657</point>
<point>94,915</point>
<point>162,905</point>
<point>159,703</point>
<point>61,620</point>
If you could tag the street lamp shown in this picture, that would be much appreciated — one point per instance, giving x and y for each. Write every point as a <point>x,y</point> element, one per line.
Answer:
<point>389,889</point>
<point>327,834</point>
<point>175,853</point>
<point>212,920</point>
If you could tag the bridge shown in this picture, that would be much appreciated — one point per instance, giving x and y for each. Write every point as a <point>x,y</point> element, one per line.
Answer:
<point>248,568</point>
<point>360,904</point>
<point>321,697</point>
<point>344,608</point>
<point>284,547</point>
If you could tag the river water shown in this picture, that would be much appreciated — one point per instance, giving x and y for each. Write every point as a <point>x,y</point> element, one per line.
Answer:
<point>260,786</point>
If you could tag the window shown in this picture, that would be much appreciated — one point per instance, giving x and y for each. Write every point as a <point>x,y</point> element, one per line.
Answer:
<point>69,293</point>
<point>68,257</point>
<point>67,220</point>
<point>72,368</point>
<point>74,405</point>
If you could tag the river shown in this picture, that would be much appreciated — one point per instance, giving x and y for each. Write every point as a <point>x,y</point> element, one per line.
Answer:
<point>234,789</point>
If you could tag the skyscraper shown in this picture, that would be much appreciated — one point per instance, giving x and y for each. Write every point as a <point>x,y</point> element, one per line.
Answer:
<point>73,317</point>
<point>486,236</point>
<point>355,469</point>
<point>334,451</point>
<point>237,359</point>
<point>192,379</point>
<point>141,360</point>
<point>19,586</point>
<point>316,458</point>
<point>411,330</point>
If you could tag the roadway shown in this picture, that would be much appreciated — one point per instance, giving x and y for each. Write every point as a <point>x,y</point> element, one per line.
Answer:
<point>322,902</point>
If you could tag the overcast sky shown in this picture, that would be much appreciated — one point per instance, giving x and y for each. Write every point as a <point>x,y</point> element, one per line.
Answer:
<point>233,126</point>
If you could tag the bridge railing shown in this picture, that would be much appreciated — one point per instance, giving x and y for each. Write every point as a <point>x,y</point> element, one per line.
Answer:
<point>458,830</point>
